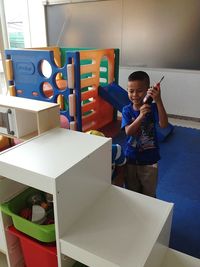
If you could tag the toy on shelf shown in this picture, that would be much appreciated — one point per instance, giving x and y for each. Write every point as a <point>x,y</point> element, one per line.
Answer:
<point>39,208</point>
<point>4,142</point>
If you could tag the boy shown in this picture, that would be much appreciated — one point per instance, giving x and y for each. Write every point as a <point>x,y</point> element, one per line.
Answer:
<point>138,120</point>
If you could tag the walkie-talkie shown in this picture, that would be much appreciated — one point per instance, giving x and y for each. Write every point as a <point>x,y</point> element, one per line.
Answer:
<point>148,99</point>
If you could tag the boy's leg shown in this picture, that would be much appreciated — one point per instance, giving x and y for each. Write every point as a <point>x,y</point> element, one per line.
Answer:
<point>148,175</point>
<point>131,180</point>
<point>119,177</point>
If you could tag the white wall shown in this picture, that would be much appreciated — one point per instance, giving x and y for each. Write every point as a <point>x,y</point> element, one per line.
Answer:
<point>37,23</point>
<point>180,89</point>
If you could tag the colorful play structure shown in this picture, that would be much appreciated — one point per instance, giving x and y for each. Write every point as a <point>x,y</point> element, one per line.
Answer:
<point>83,81</point>
<point>70,77</point>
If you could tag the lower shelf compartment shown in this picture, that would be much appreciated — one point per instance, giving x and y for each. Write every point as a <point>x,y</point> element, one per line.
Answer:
<point>120,229</point>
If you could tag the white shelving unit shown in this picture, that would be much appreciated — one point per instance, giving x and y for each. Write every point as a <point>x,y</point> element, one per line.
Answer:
<point>25,118</point>
<point>96,223</point>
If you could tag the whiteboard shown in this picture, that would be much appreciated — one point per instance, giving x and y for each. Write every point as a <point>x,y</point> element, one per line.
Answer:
<point>149,33</point>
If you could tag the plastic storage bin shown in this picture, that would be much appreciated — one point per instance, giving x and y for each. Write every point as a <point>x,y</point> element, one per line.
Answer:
<point>35,253</point>
<point>44,233</point>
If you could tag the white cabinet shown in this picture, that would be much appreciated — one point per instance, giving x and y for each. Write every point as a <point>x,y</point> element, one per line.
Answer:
<point>96,223</point>
<point>74,167</point>
<point>25,118</point>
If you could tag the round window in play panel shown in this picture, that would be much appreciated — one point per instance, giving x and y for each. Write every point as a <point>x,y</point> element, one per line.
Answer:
<point>47,90</point>
<point>60,81</point>
<point>45,68</point>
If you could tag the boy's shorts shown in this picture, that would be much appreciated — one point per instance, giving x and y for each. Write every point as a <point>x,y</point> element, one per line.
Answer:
<point>142,178</point>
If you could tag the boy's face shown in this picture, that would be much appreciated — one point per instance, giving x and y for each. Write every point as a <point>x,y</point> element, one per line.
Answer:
<point>137,91</point>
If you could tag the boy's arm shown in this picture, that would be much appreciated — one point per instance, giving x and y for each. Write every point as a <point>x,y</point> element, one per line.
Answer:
<point>156,95</point>
<point>134,127</point>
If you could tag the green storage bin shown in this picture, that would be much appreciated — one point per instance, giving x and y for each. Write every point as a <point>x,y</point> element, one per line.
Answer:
<point>44,233</point>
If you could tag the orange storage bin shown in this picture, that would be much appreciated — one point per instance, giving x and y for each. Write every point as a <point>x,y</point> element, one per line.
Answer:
<point>36,253</point>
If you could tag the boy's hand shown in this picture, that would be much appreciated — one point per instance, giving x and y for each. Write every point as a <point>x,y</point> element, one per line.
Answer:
<point>144,110</point>
<point>154,92</point>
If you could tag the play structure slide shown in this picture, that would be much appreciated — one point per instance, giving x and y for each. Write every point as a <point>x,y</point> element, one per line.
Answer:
<point>114,95</point>
<point>118,98</point>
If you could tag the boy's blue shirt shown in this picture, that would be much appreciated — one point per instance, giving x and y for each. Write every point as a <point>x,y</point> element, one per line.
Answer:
<point>142,149</point>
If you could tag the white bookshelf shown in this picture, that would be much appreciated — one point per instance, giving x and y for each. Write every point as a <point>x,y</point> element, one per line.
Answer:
<point>74,167</point>
<point>96,223</point>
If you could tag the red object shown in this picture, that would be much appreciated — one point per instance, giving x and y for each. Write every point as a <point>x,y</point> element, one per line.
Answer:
<point>36,253</point>
<point>26,213</point>
<point>44,205</point>
<point>49,221</point>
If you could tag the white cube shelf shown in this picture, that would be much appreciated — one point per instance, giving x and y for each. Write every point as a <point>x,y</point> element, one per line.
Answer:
<point>73,166</point>
<point>96,223</point>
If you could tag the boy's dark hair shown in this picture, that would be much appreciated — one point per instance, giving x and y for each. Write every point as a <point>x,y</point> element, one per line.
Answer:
<point>139,76</point>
